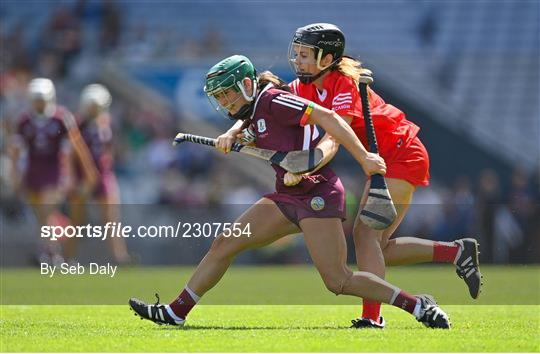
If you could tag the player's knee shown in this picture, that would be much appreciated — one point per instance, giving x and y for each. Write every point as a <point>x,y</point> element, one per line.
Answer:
<point>359,231</point>
<point>359,228</point>
<point>364,236</point>
<point>337,282</point>
<point>333,285</point>
<point>222,247</point>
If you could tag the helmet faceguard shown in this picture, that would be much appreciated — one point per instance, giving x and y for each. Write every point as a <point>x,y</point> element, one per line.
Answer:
<point>42,89</point>
<point>225,86</point>
<point>320,39</point>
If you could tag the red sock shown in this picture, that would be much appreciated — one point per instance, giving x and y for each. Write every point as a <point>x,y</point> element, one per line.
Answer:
<point>445,252</point>
<point>371,309</point>
<point>405,301</point>
<point>182,304</point>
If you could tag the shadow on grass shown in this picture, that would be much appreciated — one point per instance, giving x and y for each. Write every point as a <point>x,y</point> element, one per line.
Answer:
<point>247,328</point>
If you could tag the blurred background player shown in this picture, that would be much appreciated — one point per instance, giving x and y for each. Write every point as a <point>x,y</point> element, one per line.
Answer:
<point>44,134</point>
<point>315,206</point>
<point>330,79</point>
<point>94,122</point>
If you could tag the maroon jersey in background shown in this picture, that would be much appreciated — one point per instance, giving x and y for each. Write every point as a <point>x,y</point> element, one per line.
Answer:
<point>43,137</point>
<point>98,136</point>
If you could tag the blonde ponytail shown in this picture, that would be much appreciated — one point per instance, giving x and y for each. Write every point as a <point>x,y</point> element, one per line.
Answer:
<point>352,68</point>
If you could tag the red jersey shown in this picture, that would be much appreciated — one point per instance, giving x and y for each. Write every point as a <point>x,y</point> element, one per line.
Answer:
<point>340,94</point>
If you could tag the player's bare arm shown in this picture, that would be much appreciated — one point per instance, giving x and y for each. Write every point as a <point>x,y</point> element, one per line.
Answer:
<point>227,139</point>
<point>83,153</point>
<point>336,126</point>
<point>329,146</point>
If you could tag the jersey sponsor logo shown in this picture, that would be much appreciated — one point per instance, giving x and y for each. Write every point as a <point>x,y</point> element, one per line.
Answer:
<point>317,203</point>
<point>261,125</point>
<point>342,98</point>
<point>289,101</point>
<point>339,108</point>
<point>322,95</point>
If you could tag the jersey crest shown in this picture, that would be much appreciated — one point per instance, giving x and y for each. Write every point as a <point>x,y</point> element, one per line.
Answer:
<point>261,125</point>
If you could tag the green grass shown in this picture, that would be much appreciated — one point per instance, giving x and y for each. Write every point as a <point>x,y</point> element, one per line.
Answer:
<point>258,309</point>
<point>261,285</point>
<point>285,328</point>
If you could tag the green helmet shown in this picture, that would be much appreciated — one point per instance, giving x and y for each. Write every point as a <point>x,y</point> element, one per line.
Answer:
<point>229,74</point>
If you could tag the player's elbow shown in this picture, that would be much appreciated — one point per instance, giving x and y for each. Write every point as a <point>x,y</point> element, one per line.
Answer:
<point>323,118</point>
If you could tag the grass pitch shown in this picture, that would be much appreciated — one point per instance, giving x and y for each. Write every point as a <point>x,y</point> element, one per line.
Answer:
<point>214,326</point>
<point>266,328</point>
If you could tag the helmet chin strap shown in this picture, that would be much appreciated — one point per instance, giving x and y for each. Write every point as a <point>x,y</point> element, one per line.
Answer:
<point>246,110</point>
<point>243,90</point>
<point>307,79</point>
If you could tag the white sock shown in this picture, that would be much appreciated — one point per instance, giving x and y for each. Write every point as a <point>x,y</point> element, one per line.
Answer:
<point>395,295</point>
<point>191,293</point>
<point>417,309</point>
<point>458,254</point>
<point>173,315</point>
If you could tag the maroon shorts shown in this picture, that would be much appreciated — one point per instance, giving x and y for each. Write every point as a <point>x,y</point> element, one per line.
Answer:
<point>326,200</point>
<point>36,180</point>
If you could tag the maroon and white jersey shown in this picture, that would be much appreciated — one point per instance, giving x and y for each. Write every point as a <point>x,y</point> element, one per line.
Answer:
<point>97,135</point>
<point>279,122</point>
<point>43,138</point>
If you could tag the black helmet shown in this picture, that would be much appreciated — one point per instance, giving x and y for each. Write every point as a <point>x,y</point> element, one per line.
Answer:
<point>323,38</point>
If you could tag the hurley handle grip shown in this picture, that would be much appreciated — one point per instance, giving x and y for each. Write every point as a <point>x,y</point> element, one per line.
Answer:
<point>370,130</point>
<point>204,141</point>
<point>377,180</point>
